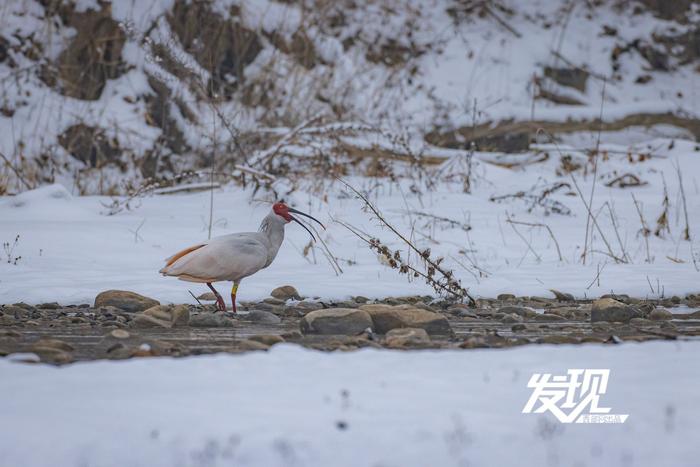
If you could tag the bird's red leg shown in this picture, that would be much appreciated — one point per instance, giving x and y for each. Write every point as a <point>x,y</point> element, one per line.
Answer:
<point>234,289</point>
<point>219,299</point>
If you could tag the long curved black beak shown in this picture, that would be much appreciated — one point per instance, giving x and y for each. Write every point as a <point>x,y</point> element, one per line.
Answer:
<point>305,228</point>
<point>301,224</point>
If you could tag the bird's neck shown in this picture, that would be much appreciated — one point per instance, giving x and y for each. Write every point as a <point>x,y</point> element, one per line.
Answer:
<point>272,226</point>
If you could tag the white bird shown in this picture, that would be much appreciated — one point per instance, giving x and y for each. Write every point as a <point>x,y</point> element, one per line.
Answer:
<point>235,256</point>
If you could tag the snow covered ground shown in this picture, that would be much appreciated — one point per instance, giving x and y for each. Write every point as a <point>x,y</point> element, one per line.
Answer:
<point>70,251</point>
<point>297,407</point>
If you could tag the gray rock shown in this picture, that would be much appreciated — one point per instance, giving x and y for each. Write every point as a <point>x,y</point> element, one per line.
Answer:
<point>263,306</point>
<point>511,318</point>
<point>128,301</point>
<point>211,320</point>
<point>624,298</point>
<point>120,334</point>
<point>176,315</point>
<point>286,292</point>
<point>607,309</point>
<point>267,339</point>
<point>207,297</point>
<point>309,306</point>
<point>572,77</point>
<point>406,337</point>
<point>274,301</point>
<point>347,321</point>
<point>548,317</point>
<point>506,297</point>
<point>361,299</point>
<point>260,316</point>
<point>17,312</point>
<point>387,317</point>
<point>562,296</point>
<point>249,344</point>
<point>660,314</point>
<point>147,321</point>
<point>49,306</point>
<point>518,310</point>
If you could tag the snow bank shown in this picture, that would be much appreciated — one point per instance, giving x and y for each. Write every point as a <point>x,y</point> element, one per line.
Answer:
<point>293,406</point>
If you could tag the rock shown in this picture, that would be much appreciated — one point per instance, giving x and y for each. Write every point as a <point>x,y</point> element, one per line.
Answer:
<point>53,351</point>
<point>259,316</point>
<point>180,315</point>
<point>511,318</point>
<point>518,327</point>
<point>285,292</point>
<point>274,301</point>
<point>668,325</point>
<point>558,339</point>
<point>361,299</point>
<point>624,298</point>
<point>176,315</point>
<point>518,310</point>
<point>506,297</point>
<point>309,306</point>
<point>572,77</point>
<point>53,344</point>
<point>120,334</point>
<point>660,314</point>
<point>406,337</point>
<point>291,335</point>
<point>17,312</point>
<point>386,318</point>
<point>147,321</point>
<point>49,306</point>
<point>608,309</point>
<point>207,297</point>
<point>249,344</point>
<point>693,315</point>
<point>548,317</point>
<point>641,322</point>
<point>561,296</point>
<point>211,320</point>
<point>128,301</point>
<point>348,321</point>
<point>267,339</point>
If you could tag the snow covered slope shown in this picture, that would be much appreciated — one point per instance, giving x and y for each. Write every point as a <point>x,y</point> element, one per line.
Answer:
<point>94,117</point>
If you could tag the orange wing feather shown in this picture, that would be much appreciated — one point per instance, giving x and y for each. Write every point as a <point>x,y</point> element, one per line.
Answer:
<point>180,254</point>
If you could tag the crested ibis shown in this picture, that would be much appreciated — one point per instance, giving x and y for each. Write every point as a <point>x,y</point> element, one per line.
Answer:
<point>235,256</point>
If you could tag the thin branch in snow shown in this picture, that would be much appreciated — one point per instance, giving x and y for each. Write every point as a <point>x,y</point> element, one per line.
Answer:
<point>686,231</point>
<point>645,231</point>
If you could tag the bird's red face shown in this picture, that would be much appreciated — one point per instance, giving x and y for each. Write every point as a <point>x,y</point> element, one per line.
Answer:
<point>285,212</point>
<point>282,210</point>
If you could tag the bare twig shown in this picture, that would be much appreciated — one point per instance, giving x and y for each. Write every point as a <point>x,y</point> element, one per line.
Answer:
<point>595,171</point>
<point>450,285</point>
<point>522,237</point>
<point>613,220</point>
<point>194,297</point>
<point>597,276</point>
<point>17,173</point>
<point>686,231</point>
<point>645,231</point>
<point>551,234</point>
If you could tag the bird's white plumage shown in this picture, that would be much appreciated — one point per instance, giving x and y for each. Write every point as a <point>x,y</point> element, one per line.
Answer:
<point>230,257</point>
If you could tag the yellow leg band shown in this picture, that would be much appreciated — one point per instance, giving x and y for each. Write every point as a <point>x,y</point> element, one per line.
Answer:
<point>234,289</point>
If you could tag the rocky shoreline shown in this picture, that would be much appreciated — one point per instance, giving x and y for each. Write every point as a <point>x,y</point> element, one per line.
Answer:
<point>122,324</point>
